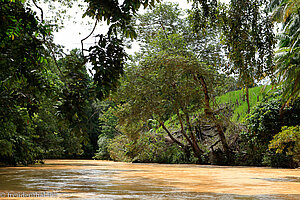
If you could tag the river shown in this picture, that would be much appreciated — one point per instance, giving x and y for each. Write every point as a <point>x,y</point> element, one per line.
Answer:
<point>92,179</point>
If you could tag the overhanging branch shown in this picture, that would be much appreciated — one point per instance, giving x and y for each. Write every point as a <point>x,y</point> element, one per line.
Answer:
<point>88,36</point>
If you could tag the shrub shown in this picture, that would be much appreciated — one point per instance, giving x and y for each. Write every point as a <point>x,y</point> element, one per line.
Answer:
<point>148,147</point>
<point>264,122</point>
<point>288,140</point>
<point>102,152</point>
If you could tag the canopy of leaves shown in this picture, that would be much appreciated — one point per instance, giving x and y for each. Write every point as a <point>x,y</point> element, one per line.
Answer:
<point>246,32</point>
<point>41,98</point>
<point>288,55</point>
<point>160,85</point>
<point>23,84</point>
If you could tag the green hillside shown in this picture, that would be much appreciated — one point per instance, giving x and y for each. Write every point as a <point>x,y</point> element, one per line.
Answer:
<point>236,100</point>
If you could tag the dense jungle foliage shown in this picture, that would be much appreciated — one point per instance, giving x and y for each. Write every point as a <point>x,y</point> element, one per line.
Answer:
<point>192,93</point>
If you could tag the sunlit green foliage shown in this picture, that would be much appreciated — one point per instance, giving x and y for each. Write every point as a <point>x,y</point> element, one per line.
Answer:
<point>264,122</point>
<point>108,122</point>
<point>287,140</point>
<point>171,78</point>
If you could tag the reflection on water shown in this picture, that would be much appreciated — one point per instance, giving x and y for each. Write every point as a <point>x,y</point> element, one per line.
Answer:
<point>285,179</point>
<point>83,179</point>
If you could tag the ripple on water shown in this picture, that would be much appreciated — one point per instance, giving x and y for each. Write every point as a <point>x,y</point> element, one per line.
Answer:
<point>285,179</point>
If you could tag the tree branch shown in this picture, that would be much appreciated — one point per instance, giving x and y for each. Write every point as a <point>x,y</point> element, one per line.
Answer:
<point>48,45</point>
<point>164,30</point>
<point>170,135</point>
<point>88,36</point>
<point>195,145</point>
<point>212,146</point>
<point>42,13</point>
<point>182,129</point>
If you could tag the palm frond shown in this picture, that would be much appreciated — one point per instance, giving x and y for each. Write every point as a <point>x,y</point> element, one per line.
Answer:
<point>273,5</point>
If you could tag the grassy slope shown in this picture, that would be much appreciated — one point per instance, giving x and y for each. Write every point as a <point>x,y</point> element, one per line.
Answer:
<point>235,99</point>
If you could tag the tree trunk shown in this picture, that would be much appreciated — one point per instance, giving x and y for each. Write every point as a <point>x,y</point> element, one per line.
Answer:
<point>184,147</point>
<point>191,140</point>
<point>195,147</point>
<point>247,99</point>
<point>183,131</point>
<point>209,114</point>
<point>170,135</point>
<point>198,152</point>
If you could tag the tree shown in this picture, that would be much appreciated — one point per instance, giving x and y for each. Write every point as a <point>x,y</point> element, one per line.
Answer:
<point>246,32</point>
<point>170,80</point>
<point>167,21</point>
<point>170,86</point>
<point>163,89</point>
<point>23,85</point>
<point>288,55</point>
<point>107,123</point>
<point>34,85</point>
<point>108,56</point>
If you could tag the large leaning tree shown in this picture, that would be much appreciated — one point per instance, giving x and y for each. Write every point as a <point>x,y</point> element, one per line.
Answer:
<point>171,78</point>
<point>169,85</point>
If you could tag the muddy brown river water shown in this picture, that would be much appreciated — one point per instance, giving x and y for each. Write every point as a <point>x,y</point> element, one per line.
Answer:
<point>91,179</point>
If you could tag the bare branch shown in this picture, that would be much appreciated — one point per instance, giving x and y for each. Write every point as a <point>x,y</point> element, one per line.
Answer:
<point>88,36</point>
<point>170,135</point>
<point>212,146</point>
<point>42,13</point>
